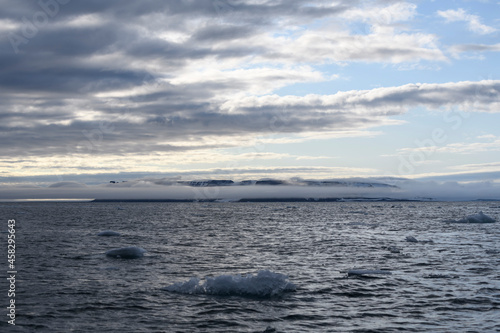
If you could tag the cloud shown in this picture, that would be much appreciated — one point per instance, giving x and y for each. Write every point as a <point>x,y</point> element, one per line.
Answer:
<point>477,168</point>
<point>456,50</point>
<point>441,189</point>
<point>105,87</point>
<point>159,76</point>
<point>237,170</point>
<point>252,81</point>
<point>162,125</point>
<point>390,14</point>
<point>473,21</point>
<point>380,46</point>
<point>487,136</point>
<point>457,148</point>
<point>67,184</point>
<point>490,179</point>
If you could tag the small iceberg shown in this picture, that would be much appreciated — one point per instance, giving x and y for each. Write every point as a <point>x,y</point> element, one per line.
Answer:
<point>108,233</point>
<point>361,272</point>
<point>440,276</point>
<point>264,284</point>
<point>475,218</point>
<point>131,252</point>
<point>411,239</point>
<point>394,249</point>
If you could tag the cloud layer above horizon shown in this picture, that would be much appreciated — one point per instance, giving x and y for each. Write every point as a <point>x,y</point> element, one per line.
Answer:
<point>94,87</point>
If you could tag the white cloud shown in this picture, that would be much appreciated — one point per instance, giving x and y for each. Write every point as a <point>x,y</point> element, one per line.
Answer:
<point>8,25</point>
<point>251,81</point>
<point>338,46</point>
<point>456,148</point>
<point>479,96</point>
<point>487,136</point>
<point>141,128</point>
<point>473,21</point>
<point>457,50</point>
<point>380,15</point>
<point>86,20</point>
<point>480,167</point>
<point>154,163</point>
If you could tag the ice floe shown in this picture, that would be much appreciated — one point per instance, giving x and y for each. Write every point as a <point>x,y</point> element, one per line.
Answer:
<point>394,249</point>
<point>131,252</point>
<point>474,218</point>
<point>440,276</point>
<point>264,284</point>
<point>108,233</point>
<point>411,239</point>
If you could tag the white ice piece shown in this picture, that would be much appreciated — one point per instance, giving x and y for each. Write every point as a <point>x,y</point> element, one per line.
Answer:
<point>131,252</point>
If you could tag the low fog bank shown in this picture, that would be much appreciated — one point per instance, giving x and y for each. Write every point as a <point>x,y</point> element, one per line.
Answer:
<point>164,189</point>
<point>449,191</point>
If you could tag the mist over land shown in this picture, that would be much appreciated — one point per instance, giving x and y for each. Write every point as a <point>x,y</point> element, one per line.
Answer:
<point>295,189</point>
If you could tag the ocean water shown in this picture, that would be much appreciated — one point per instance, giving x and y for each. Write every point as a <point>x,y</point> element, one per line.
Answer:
<point>253,267</point>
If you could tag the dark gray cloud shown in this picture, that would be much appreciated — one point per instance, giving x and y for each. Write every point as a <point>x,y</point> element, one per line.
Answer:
<point>158,122</point>
<point>475,48</point>
<point>123,77</point>
<point>105,175</point>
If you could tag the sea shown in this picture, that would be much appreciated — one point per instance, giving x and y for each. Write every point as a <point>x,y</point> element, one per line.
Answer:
<point>250,267</point>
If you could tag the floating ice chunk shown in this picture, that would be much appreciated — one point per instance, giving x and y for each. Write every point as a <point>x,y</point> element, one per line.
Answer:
<point>131,252</point>
<point>189,287</point>
<point>475,218</point>
<point>411,239</point>
<point>108,233</point>
<point>394,249</point>
<point>440,276</point>
<point>264,284</point>
<point>368,272</point>
<point>495,292</point>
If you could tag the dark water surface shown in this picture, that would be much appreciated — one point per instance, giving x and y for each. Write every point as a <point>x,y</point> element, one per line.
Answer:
<point>66,283</point>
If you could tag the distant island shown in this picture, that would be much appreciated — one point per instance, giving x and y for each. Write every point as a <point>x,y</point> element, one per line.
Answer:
<point>274,182</point>
<point>267,183</point>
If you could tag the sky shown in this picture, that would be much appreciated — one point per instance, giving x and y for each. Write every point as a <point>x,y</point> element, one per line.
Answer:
<point>93,91</point>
